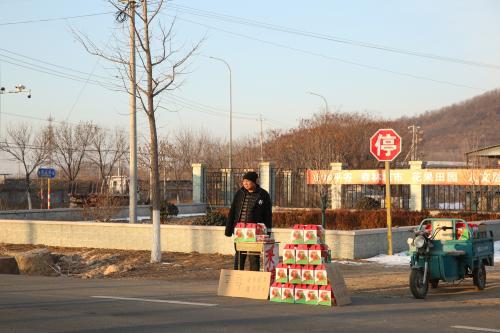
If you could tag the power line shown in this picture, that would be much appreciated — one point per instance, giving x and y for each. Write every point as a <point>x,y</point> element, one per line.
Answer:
<point>336,39</point>
<point>205,111</point>
<point>372,67</point>
<point>289,30</point>
<point>53,120</point>
<point>62,75</point>
<point>185,102</point>
<point>208,108</point>
<point>51,64</point>
<point>193,104</point>
<point>35,147</point>
<point>55,19</point>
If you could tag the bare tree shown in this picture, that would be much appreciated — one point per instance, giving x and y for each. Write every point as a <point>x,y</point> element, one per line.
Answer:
<point>159,72</point>
<point>70,147</point>
<point>29,147</point>
<point>107,150</point>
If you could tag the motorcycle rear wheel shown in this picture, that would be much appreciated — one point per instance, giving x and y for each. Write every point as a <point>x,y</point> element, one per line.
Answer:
<point>479,276</point>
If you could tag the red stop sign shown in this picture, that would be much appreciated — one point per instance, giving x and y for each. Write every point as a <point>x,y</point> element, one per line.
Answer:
<point>385,144</point>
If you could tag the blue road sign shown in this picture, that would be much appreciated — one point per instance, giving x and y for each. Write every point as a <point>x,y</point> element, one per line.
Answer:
<point>46,173</point>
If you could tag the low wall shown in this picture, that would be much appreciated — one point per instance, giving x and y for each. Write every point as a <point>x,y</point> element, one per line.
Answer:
<point>80,214</point>
<point>356,244</point>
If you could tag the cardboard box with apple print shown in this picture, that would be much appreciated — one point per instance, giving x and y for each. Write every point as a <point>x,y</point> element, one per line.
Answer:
<point>289,254</point>
<point>298,234</point>
<point>287,293</point>
<point>314,234</point>
<point>312,295</point>
<point>239,232</point>
<point>300,293</point>
<point>325,295</point>
<point>302,254</point>
<point>295,274</point>
<point>315,255</point>
<point>308,274</point>
<point>282,273</point>
<point>320,276</point>
<point>275,293</point>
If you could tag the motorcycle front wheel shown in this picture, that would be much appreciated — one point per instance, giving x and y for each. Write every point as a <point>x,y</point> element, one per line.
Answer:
<point>418,288</point>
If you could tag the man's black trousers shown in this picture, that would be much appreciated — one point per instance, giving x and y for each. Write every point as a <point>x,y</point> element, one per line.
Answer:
<point>240,258</point>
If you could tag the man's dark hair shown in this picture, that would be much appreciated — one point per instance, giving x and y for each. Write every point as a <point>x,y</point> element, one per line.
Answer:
<point>252,176</point>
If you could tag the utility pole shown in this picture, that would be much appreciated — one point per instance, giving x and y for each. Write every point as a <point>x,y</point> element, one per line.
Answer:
<point>51,136</point>
<point>165,182</point>
<point>1,91</point>
<point>133,119</point>
<point>261,141</point>
<point>415,139</point>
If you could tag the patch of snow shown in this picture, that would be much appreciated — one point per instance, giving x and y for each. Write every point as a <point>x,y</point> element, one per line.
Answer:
<point>189,215</point>
<point>139,218</point>
<point>348,262</point>
<point>398,259</point>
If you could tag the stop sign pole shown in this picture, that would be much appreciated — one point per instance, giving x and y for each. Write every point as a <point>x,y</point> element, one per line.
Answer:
<point>385,145</point>
<point>388,205</point>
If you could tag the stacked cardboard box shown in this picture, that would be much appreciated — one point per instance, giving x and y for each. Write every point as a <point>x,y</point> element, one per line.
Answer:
<point>250,232</point>
<point>302,272</point>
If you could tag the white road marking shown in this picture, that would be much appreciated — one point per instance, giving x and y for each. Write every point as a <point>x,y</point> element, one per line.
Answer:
<point>154,300</point>
<point>477,329</point>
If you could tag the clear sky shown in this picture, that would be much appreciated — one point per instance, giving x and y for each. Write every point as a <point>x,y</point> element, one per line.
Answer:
<point>272,69</point>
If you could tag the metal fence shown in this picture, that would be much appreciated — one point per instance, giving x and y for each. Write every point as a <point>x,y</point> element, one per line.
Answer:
<point>467,198</point>
<point>220,186</point>
<point>291,190</point>
<point>352,194</point>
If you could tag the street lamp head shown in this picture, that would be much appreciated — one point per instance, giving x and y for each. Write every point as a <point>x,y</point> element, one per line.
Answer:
<point>20,87</point>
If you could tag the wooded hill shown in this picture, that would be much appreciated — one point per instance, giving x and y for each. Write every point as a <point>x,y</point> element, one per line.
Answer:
<point>448,133</point>
<point>453,130</point>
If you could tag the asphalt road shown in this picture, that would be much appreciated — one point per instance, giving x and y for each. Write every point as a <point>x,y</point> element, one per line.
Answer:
<point>48,304</point>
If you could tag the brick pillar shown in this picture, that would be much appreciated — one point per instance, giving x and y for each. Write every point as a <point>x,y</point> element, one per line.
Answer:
<point>267,178</point>
<point>287,184</point>
<point>198,183</point>
<point>228,194</point>
<point>416,190</point>
<point>336,193</point>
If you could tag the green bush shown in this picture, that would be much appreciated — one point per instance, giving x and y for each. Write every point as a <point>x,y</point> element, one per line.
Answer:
<point>367,203</point>
<point>343,219</point>
<point>214,218</point>
<point>168,209</point>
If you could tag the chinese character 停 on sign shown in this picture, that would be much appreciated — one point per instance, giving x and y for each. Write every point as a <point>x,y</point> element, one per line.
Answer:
<point>386,143</point>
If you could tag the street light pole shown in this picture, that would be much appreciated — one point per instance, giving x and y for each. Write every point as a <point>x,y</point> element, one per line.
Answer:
<point>230,112</point>
<point>324,194</point>
<point>321,96</point>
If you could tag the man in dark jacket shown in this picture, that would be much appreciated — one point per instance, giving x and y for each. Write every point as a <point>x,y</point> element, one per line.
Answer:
<point>251,204</point>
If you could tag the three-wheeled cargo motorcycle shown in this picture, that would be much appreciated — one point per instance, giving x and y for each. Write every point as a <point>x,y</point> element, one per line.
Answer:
<point>449,250</point>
